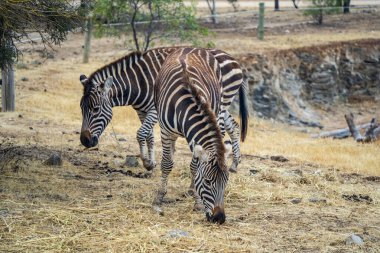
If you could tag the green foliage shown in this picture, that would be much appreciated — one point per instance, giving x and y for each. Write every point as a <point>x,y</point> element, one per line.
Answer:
<point>148,21</point>
<point>323,7</point>
<point>49,19</point>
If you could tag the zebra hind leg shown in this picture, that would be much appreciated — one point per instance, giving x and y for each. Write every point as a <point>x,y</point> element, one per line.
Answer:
<point>166,168</point>
<point>233,131</point>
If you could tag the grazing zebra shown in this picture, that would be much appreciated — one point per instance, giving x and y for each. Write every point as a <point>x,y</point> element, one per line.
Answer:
<point>187,95</point>
<point>129,81</point>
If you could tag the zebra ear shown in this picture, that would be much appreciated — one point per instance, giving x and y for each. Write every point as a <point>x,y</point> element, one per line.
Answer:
<point>107,84</point>
<point>83,79</point>
<point>200,153</point>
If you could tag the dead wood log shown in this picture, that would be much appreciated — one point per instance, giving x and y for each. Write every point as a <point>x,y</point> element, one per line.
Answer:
<point>370,134</point>
<point>372,131</point>
<point>339,133</point>
<point>353,129</point>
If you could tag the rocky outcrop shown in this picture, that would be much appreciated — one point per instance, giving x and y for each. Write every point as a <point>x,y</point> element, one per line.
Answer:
<point>294,85</point>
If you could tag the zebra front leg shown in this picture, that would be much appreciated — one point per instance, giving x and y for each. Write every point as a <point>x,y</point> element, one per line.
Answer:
<point>152,161</point>
<point>145,137</point>
<point>234,132</point>
<point>166,168</point>
<point>198,205</point>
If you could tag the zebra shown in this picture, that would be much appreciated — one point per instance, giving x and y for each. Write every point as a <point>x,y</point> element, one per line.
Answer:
<point>129,81</point>
<point>187,95</point>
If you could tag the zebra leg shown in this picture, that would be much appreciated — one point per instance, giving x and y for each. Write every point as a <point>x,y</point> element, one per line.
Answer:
<point>145,136</point>
<point>234,132</point>
<point>198,205</point>
<point>166,168</point>
<point>152,162</point>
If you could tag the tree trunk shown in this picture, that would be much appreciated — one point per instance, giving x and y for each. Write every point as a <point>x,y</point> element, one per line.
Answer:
<point>276,5</point>
<point>213,12</point>
<point>8,89</point>
<point>346,6</point>
<point>87,40</point>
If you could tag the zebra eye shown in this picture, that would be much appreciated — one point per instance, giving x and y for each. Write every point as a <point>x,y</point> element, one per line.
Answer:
<point>96,109</point>
<point>207,181</point>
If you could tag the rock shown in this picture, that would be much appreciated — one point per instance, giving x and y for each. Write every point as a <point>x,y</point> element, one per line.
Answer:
<point>354,239</point>
<point>54,160</point>
<point>253,171</point>
<point>279,158</point>
<point>301,82</point>
<point>122,139</point>
<point>296,200</point>
<point>317,200</point>
<point>131,161</point>
<point>24,79</point>
<point>357,198</point>
<point>177,233</point>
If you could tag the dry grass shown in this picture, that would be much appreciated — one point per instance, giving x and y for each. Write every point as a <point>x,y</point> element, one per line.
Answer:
<point>84,207</point>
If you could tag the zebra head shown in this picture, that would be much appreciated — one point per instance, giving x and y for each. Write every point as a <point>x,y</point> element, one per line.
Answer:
<point>210,182</point>
<point>96,110</point>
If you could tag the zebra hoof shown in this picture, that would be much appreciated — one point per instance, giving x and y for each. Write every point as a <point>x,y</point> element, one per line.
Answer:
<point>149,165</point>
<point>233,169</point>
<point>198,207</point>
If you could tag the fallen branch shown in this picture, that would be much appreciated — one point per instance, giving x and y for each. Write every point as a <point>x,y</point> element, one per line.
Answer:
<point>370,134</point>
<point>339,133</point>
<point>351,125</point>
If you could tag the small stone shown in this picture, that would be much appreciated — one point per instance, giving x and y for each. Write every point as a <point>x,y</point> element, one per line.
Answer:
<point>354,239</point>
<point>54,160</point>
<point>177,233</point>
<point>253,171</point>
<point>24,79</point>
<point>131,161</point>
<point>279,158</point>
<point>31,128</point>
<point>20,116</point>
<point>296,200</point>
<point>317,200</point>
<point>122,139</point>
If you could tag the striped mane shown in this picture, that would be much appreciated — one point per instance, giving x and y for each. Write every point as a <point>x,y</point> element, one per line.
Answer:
<point>210,119</point>
<point>128,59</point>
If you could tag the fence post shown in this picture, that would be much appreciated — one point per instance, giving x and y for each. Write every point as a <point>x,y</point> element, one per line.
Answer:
<point>260,34</point>
<point>276,5</point>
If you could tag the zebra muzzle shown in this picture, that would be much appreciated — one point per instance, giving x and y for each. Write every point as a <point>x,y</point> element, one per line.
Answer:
<point>87,140</point>
<point>218,215</point>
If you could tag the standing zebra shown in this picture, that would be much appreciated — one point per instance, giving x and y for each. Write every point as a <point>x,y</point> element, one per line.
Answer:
<point>187,95</point>
<point>129,81</point>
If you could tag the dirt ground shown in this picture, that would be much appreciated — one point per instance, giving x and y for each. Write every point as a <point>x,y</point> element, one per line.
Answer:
<point>282,199</point>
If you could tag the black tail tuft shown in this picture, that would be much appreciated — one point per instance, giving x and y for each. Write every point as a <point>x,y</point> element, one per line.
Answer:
<point>243,108</point>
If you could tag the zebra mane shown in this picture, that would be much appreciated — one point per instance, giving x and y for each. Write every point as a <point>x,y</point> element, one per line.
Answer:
<point>128,59</point>
<point>210,116</point>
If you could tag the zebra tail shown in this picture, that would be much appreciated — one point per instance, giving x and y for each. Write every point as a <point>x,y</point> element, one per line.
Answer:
<point>243,110</point>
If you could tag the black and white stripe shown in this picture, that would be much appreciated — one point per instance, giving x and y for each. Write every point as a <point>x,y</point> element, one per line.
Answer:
<point>187,96</point>
<point>133,79</point>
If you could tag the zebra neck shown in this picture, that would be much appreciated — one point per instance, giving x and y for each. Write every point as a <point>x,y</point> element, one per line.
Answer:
<point>134,76</point>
